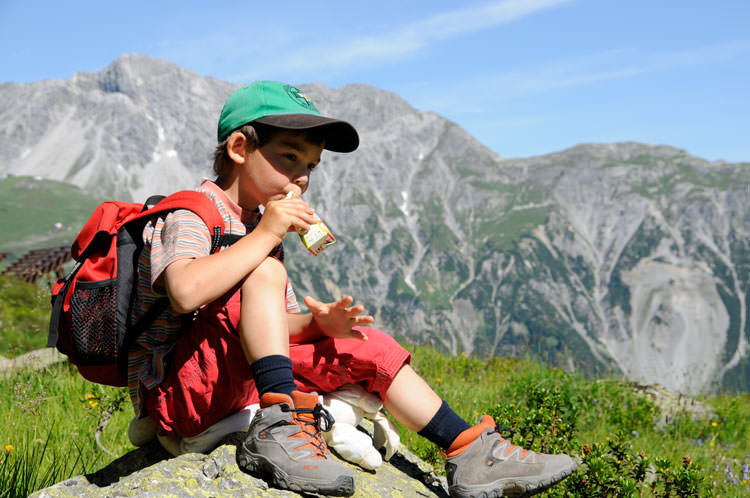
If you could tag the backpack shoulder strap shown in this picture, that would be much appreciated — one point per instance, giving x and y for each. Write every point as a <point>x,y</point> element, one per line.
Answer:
<point>203,206</point>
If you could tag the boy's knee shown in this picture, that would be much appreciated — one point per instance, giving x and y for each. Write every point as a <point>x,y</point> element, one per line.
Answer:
<point>269,273</point>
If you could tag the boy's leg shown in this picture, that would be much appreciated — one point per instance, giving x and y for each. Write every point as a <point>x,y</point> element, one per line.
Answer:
<point>263,328</point>
<point>381,366</point>
<point>476,465</point>
<point>480,461</point>
<point>412,402</point>
<point>283,442</point>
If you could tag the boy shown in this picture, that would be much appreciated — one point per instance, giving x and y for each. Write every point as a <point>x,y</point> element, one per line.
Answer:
<point>245,341</point>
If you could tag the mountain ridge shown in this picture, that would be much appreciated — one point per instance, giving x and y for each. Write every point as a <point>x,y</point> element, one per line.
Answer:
<point>621,257</point>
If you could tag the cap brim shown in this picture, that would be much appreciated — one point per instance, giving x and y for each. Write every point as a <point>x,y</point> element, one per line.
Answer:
<point>340,135</point>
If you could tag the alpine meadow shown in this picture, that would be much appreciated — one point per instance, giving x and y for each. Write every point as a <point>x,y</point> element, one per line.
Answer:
<point>594,299</point>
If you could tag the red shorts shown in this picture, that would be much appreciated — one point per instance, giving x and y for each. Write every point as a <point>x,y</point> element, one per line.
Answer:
<point>209,377</point>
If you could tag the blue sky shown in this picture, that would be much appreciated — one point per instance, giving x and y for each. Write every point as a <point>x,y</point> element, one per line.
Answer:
<point>525,77</point>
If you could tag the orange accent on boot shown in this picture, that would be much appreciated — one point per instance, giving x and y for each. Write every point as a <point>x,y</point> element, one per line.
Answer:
<point>470,435</point>
<point>269,399</point>
<point>305,400</point>
<point>306,421</point>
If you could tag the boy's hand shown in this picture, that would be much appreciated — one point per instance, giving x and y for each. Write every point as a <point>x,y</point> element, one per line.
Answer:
<point>286,215</point>
<point>337,319</point>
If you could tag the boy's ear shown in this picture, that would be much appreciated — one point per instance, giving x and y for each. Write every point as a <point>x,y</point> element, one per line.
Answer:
<point>237,147</point>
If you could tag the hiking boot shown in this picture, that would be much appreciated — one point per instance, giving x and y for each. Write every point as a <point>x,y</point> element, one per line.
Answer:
<point>284,446</point>
<point>482,464</point>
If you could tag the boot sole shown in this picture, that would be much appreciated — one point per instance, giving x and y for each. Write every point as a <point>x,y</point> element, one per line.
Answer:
<point>258,465</point>
<point>512,487</point>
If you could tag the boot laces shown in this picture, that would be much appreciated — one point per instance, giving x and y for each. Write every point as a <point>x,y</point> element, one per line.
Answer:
<point>321,420</point>
<point>506,433</point>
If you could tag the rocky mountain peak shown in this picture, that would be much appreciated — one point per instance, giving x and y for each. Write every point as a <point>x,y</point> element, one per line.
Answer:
<point>624,257</point>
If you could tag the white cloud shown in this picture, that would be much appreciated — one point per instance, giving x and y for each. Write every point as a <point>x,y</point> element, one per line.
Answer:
<point>571,72</point>
<point>616,64</point>
<point>405,40</point>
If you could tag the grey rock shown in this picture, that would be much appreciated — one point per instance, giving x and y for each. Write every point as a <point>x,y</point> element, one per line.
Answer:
<point>673,405</point>
<point>151,472</point>
<point>33,360</point>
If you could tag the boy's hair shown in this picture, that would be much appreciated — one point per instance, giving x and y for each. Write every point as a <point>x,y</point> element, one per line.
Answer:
<point>256,136</point>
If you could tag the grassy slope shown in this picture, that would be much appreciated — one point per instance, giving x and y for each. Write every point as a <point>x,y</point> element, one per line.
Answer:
<point>50,418</point>
<point>24,316</point>
<point>55,413</point>
<point>30,208</point>
<point>601,421</point>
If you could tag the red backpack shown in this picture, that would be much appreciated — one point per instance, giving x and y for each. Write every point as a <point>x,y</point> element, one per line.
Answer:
<point>91,306</point>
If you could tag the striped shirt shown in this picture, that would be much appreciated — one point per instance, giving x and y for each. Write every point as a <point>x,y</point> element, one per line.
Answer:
<point>180,234</point>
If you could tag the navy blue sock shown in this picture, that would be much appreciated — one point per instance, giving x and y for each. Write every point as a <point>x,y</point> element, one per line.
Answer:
<point>444,427</point>
<point>273,374</point>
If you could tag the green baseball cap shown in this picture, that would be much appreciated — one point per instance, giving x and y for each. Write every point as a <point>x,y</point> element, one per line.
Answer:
<point>284,106</point>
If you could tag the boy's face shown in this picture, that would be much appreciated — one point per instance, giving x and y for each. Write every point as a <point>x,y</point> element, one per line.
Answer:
<point>280,166</point>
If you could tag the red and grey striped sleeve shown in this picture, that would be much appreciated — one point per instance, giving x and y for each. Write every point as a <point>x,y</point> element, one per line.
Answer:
<point>181,234</point>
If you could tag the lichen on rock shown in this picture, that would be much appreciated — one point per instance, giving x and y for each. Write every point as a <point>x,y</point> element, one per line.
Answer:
<point>151,472</point>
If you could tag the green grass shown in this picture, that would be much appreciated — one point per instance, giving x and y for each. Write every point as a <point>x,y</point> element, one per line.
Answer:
<point>50,423</point>
<point>51,419</point>
<point>24,316</point>
<point>602,422</point>
<point>506,230</point>
<point>30,208</point>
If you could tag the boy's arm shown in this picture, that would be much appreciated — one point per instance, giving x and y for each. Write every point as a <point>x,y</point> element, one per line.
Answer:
<point>191,283</point>
<point>303,328</point>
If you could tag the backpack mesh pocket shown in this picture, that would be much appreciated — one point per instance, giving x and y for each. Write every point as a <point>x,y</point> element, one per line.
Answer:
<point>93,308</point>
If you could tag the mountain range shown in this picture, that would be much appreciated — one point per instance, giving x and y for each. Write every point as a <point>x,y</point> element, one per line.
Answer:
<point>623,258</point>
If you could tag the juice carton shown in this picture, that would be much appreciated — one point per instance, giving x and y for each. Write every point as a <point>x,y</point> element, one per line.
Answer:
<point>318,237</point>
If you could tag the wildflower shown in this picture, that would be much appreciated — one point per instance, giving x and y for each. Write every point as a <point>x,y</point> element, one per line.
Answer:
<point>90,396</point>
<point>700,442</point>
<point>9,448</point>
<point>93,403</point>
<point>440,379</point>
<point>730,477</point>
<point>606,438</point>
<point>634,432</point>
<point>714,424</point>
